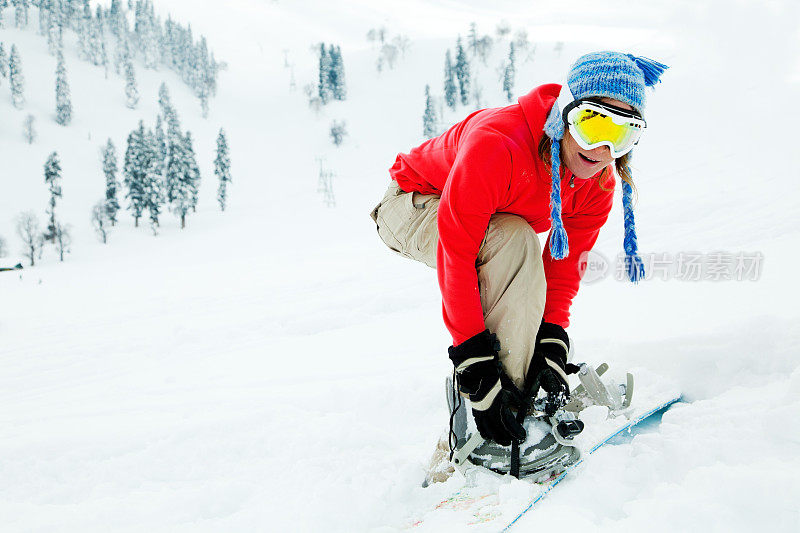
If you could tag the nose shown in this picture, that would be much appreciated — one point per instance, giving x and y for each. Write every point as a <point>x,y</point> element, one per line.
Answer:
<point>604,152</point>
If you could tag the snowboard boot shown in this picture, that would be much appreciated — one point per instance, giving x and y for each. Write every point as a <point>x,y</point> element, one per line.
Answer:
<point>541,455</point>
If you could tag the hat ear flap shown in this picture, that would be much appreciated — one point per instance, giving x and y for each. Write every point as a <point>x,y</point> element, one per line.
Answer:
<point>651,69</point>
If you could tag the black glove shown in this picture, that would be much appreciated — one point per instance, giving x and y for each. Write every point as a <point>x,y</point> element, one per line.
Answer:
<point>549,367</point>
<point>481,377</point>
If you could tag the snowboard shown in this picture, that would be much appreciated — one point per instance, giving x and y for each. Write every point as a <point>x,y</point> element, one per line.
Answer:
<point>481,500</point>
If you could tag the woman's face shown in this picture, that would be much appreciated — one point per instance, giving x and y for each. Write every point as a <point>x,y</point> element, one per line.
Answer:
<point>586,163</point>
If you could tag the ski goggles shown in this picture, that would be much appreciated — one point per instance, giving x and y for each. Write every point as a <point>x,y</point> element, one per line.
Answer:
<point>593,123</point>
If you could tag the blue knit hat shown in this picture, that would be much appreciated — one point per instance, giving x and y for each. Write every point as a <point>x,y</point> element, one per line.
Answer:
<point>603,74</point>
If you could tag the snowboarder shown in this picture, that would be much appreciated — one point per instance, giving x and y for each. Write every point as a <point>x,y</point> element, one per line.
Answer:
<point>470,203</point>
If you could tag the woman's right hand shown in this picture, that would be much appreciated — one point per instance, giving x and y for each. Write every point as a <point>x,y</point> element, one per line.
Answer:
<point>492,394</point>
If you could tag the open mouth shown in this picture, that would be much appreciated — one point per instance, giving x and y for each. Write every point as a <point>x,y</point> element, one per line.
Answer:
<point>588,159</point>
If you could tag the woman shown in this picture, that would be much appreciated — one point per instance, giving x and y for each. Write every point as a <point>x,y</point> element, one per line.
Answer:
<point>470,202</point>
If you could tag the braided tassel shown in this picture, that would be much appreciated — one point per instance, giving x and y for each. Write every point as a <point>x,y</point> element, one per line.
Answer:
<point>559,247</point>
<point>633,263</point>
<point>651,69</point>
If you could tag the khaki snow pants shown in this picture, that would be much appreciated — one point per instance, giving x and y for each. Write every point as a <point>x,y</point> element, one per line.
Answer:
<point>510,270</point>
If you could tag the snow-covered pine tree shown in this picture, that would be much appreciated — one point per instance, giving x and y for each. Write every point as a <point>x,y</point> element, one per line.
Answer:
<point>153,181</point>
<point>222,168</point>
<point>164,101</point>
<point>336,74</point>
<point>131,92</point>
<point>104,57</point>
<point>82,29</point>
<point>52,177</point>
<point>44,16</point>
<point>194,171</point>
<point>161,145</point>
<point>96,42</point>
<point>3,62</point>
<point>28,129</point>
<point>472,39</point>
<point>178,179</point>
<point>20,13</point>
<point>111,204</point>
<point>462,72</point>
<point>3,5</point>
<point>55,34</point>
<point>450,90</point>
<point>429,117</point>
<point>16,78</point>
<point>63,100</point>
<point>323,86</point>
<point>508,75</point>
<point>134,171</point>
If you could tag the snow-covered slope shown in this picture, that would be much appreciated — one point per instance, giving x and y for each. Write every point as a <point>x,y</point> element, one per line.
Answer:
<point>275,368</point>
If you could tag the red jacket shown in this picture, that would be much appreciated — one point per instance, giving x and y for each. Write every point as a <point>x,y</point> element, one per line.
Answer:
<point>488,163</point>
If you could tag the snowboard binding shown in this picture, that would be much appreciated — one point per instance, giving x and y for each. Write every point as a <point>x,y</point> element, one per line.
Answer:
<point>552,429</point>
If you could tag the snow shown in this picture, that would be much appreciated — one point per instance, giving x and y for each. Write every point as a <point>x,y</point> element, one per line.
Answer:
<point>275,368</point>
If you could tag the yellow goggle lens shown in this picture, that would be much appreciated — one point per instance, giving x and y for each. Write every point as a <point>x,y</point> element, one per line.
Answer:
<point>595,127</point>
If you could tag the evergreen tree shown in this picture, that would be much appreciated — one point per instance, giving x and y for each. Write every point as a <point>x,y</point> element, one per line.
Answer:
<point>164,101</point>
<point>153,182</point>
<point>429,117</point>
<point>131,92</point>
<point>3,62</point>
<point>44,16</point>
<point>104,57</point>
<point>55,35</point>
<point>462,72</point>
<point>450,90</point>
<point>194,171</point>
<point>179,179</point>
<point>161,145</point>
<point>508,75</point>
<point>323,86</point>
<point>52,177</point>
<point>20,13</point>
<point>63,101</point>
<point>16,79</point>
<point>222,168</point>
<point>110,171</point>
<point>3,5</point>
<point>134,170</point>
<point>336,74</point>
<point>472,39</point>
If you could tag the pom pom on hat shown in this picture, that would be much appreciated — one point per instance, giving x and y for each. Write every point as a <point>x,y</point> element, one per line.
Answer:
<point>651,69</point>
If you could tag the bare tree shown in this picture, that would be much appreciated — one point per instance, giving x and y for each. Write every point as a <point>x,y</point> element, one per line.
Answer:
<point>31,234</point>
<point>3,247</point>
<point>101,221</point>
<point>338,131</point>
<point>63,240</point>
<point>503,29</point>
<point>483,48</point>
<point>388,56</point>
<point>402,43</point>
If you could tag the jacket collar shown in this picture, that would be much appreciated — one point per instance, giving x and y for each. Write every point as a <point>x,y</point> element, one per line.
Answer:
<point>536,106</point>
